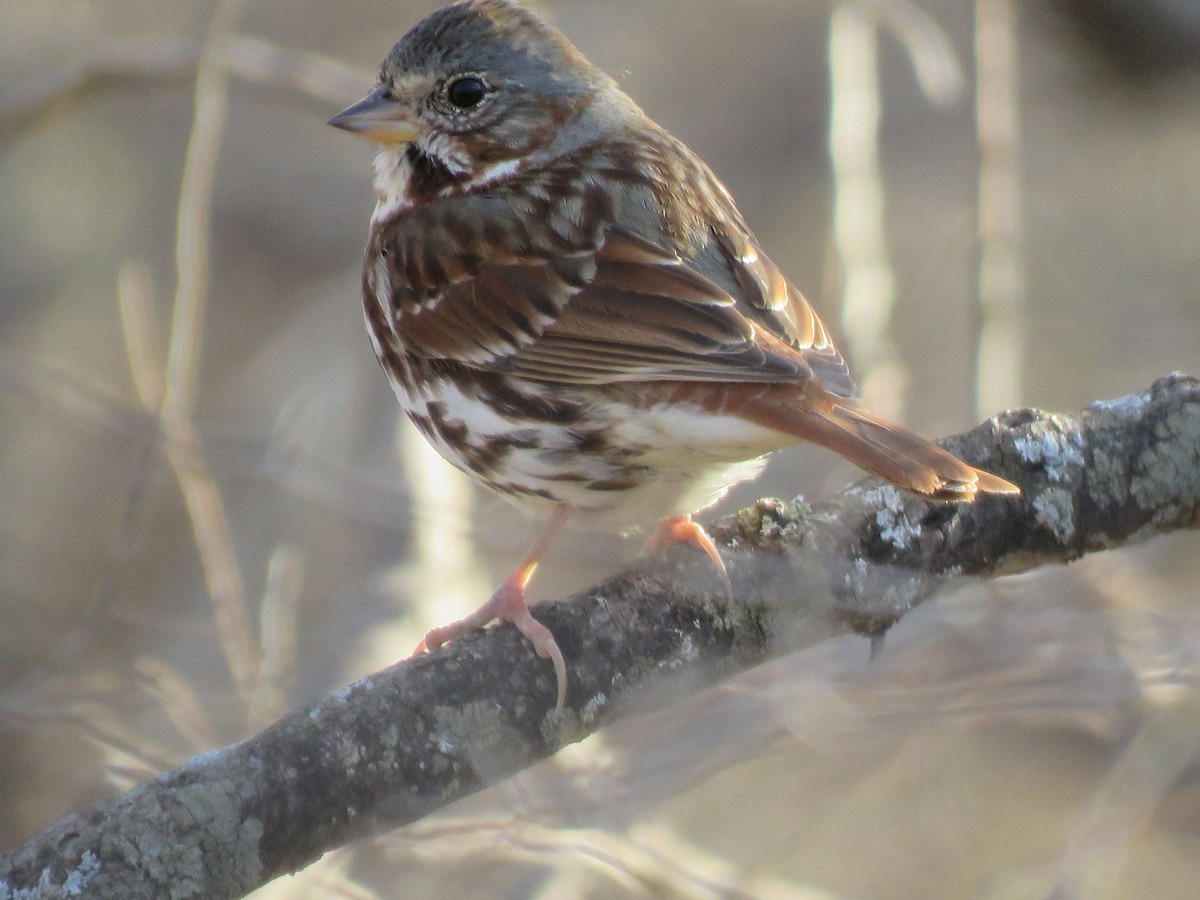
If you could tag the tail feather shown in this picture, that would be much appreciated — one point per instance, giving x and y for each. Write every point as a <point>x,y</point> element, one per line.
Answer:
<point>889,451</point>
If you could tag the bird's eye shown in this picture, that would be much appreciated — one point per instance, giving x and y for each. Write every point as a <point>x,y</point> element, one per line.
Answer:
<point>466,92</point>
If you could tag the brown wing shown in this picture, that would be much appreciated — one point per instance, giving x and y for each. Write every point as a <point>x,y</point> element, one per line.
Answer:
<point>649,315</point>
<point>627,311</point>
<point>770,299</point>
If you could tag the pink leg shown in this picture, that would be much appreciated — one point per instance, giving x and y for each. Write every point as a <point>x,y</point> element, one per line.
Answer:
<point>681,529</point>
<point>508,605</point>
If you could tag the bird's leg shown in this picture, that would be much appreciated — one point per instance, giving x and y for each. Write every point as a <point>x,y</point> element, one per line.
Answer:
<point>681,529</point>
<point>508,605</point>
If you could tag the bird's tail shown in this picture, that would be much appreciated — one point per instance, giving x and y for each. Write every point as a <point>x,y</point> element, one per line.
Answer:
<point>889,451</point>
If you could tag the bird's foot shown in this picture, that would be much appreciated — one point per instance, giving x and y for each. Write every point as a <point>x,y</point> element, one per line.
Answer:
<point>681,529</point>
<point>508,605</point>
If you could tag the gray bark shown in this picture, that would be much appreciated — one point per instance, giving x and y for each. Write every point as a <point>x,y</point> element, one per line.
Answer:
<point>401,743</point>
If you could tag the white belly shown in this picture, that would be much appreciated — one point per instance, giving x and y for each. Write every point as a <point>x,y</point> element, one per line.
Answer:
<point>619,466</point>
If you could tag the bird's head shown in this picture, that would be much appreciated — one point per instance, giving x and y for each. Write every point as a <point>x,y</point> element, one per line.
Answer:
<point>478,87</point>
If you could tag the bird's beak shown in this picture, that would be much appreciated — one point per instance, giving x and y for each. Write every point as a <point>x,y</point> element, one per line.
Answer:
<point>378,117</point>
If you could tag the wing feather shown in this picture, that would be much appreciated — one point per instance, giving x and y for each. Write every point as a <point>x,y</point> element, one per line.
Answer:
<point>784,312</point>
<point>616,308</point>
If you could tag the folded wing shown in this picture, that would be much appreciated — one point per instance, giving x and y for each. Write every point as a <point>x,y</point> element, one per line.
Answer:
<point>624,310</point>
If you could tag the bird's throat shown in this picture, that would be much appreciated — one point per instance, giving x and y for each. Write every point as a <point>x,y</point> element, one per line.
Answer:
<point>409,176</point>
<point>431,174</point>
<point>412,175</point>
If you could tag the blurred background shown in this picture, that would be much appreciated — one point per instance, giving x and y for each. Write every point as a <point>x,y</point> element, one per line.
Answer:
<point>210,511</point>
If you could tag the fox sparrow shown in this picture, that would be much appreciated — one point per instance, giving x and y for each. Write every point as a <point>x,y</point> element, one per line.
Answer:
<point>572,310</point>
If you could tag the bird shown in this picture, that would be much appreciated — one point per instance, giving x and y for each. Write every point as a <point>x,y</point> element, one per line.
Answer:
<point>571,309</point>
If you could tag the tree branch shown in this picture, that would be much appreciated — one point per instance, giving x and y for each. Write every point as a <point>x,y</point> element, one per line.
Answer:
<point>399,744</point>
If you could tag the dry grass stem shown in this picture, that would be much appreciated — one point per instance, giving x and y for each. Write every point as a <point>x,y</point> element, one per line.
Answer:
<point>868,283</point>
<point>445,552</point>
<point>179,703</point>
<point>127,62</point>
<point>1163,750</point>
<point>199,488</point>
<point>1001,353</point>
<point>285,577</point>
<point>128,756</point>
<point>200,491</point>
<point>935,62</point>
<point>193,219</point>
<point>312,76</point>
<point>135,303</point>
<point>647,861</point>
